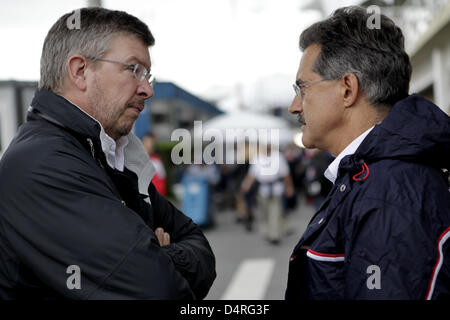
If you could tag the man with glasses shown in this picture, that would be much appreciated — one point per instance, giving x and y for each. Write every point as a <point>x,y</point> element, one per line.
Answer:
<point>79,216</point>
<point>382,232</point>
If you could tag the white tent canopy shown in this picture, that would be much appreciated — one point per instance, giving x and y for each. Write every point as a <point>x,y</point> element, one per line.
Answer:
<point>249,124</point>
<point>246,120</point>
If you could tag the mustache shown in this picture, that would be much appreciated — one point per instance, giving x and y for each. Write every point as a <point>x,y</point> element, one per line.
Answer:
<point>139,103</point>
<point>301,119</point>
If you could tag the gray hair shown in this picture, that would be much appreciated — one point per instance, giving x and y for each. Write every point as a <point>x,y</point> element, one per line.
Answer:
<point>376,56</point>
<point>97,27</point>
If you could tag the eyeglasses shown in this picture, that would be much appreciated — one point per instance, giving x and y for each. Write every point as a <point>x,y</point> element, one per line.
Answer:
<point>139,71</point>
<point>300,88</point>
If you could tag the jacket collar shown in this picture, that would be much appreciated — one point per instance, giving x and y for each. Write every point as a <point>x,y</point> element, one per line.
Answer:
<point>56,108</point>
<point>332,170</point>
<point>66,113</point>
<point>415,130</point>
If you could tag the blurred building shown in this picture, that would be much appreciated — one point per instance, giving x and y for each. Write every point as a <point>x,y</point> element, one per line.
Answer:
<point>15,98</point>
<point>430,57</point>
<point>170,108</point>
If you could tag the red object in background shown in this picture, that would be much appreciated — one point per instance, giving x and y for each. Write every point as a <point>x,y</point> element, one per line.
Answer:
<point>159,179</point>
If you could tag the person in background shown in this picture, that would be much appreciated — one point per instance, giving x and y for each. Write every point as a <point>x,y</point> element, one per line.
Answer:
<point>245,201</point>
<point>159,179</point>
<point>79,216</point>
<point>293,155</point>
<point>383,230</point>
<point>271,172</point>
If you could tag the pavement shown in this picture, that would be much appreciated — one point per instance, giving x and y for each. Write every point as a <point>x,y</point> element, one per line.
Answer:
<point>247,266</point>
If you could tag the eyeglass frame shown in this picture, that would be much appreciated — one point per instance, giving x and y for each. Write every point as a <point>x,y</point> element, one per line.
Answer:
<point>145,72</point>
<point>299,88</point>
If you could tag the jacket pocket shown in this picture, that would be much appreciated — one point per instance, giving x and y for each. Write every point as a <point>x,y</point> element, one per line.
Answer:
<point>326,275</point>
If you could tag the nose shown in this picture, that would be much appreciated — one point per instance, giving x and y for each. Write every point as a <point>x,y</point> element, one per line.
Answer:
<point>145,90</point>
<point>296,106</point>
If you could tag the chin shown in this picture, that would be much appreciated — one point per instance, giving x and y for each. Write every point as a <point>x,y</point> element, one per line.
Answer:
<point>126,126</point>
<point>307,143</point>
<point>120,132</point>
<point>125,132</point>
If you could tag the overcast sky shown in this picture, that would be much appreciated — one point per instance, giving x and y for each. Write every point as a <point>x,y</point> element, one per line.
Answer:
<point>205,46</point>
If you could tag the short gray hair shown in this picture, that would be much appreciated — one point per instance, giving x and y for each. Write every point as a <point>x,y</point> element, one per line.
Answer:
<point>376,56</point>
<point>97,28</point>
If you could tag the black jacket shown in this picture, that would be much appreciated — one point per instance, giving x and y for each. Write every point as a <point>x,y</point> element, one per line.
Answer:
<point>61,205</point>
<point>382,232</point>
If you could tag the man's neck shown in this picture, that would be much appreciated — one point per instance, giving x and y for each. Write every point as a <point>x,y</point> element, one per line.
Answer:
<point>77,101</point>
<point>358,124</point>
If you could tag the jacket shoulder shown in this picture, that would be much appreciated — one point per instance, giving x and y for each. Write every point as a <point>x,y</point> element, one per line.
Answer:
<point>36,142</point>
<point>38,152</point>
<point>402,194</point>
<point>404,183</point>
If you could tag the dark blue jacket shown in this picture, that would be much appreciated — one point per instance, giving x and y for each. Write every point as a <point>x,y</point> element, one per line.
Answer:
<point>382,232</point>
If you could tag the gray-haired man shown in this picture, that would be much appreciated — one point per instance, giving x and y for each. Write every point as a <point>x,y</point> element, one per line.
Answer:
<point>79,217</point>
<point>382,231</point>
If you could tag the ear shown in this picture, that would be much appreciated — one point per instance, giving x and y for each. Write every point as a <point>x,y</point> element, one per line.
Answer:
<point>350,89</point>
<point>76,67</point>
